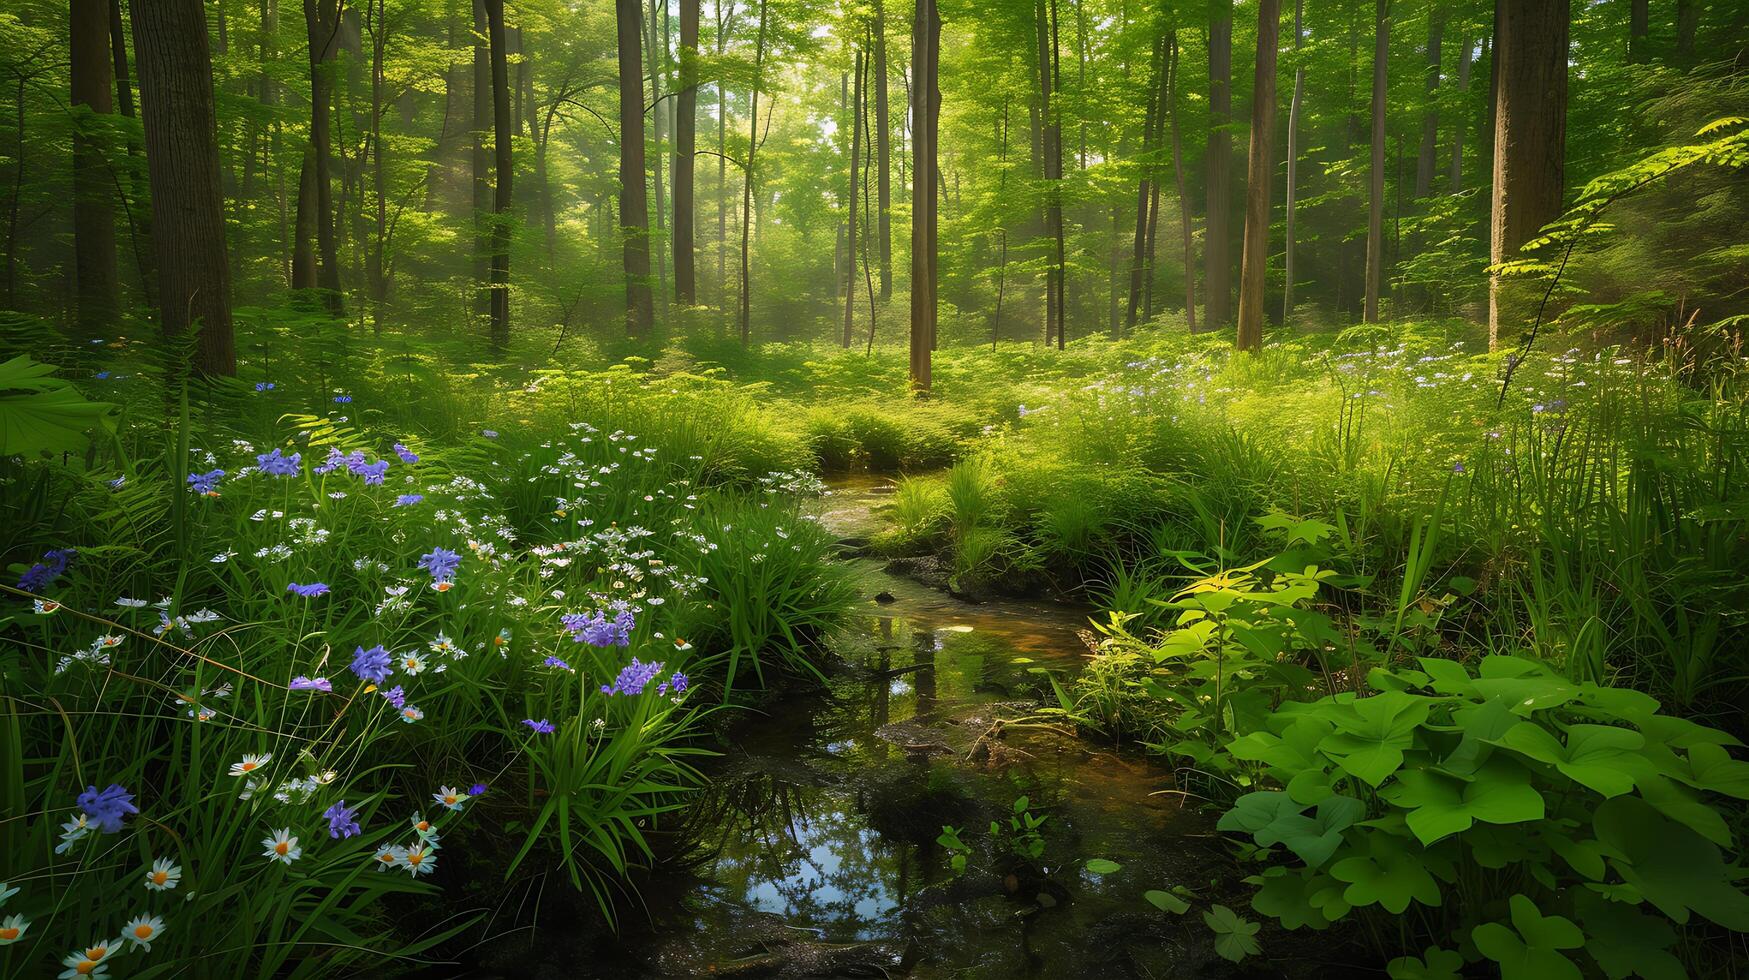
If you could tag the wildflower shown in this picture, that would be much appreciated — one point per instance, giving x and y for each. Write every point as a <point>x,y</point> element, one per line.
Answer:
<point>478,789</point>
<point>597,630</point>
<point>101,375</point>
<point>395,696</point>
<point>264,386</point>
<point>141,930</point>
<point>556,662</point>
<point>388,856</point>
<point>412,665</point>
<point>371,665</point>
<point>450,797</point>
<point>164,875</point>
<point>342,399</point>
<point>79,965</point>
<point>408,499</point>
<point>6,892</point>
<point>107,808</point>
<point>342,820</point>
<point>502,640</point>
<point>276,463</point>
<point>678,682</point>
<point>44,607</point>
<point>302,683</point>
<point>419,859</point>
<point>309,591</point>
<point>43,574</point>
<point>282,846</point>
<point>12,928</point>
<point>250,763</point>
<point>72,831</point>
<point>488,433</point>
<point>443,644</point>
<point>206,484</point>
<point>1458,468</point>
<point>633,678</point>
<point>441,563</point>
<point>126,603</point>
<point>411,714</point>
<point>424,828</point>
<point>542,727</point>
<point>407,455</point>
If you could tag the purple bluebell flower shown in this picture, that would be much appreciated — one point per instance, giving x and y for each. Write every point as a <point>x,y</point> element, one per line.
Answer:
<point>43,574</point>
<point>276,463</point>
<point>597,630</point>
<point>478,789</point>
<point>542,727</point>
<point>679,682</point>
<point>407,455</point>
<point>264,386</point>
<point>373,473</point>
<point>205,482</point>
<point>1458,468</point>
<point>408,499</point>
<point>395,696</point>
<point>309,591</point>
<point>441,563</point>
<point>633,678</point>
<point>342,399</point>
<point>302,683</point>
<point>370,665</point>
<point>103,375</point>
<point>342,820</point>
<point>337,459</point>
<point>107,808</point>
<point>556,662</point>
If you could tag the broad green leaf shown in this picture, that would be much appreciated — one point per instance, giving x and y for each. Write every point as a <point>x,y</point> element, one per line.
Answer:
<point>1598,757</point>
<point>1675,868</point>
<point>1627,942</point>
<point>1372,735</point>
<point>1440,805</point>
<point>1531,948</point>
<point>40,413</point>
<point>1101,866</point>
<point>1235,937</point>
<point>1386,873</point>
<point>1286,894</point>
<point>1166,901</point>
<point>1437,964</point>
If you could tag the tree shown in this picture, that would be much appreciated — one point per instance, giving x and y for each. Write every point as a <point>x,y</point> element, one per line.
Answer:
<point>93,188</point>
<point>1045,12</point>
<point>634,207</point>
<point>1217,164</point>
<point>1293,166</point>
<point>1639,31</point>
<point>1457,130</point>
<point>925,113</point>
<point>316,201</point>
<point>1375,215</point>
<point>1259,173</point>
<point>747,178</point>
<point>1425,160</point>
<point>1530,136</point>
<point>883,173</point>
<point>139,217</point>
<point>502,121</point>
<point>1145,193</point>
<point>182,160</point>
<point>482,161</point>
<point>685,130</point>
<point>1172,60</point>
<point>856,101</point>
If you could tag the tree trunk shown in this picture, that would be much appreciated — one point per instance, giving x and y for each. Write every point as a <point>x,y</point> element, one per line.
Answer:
<point>1375,220</point>
<point>1259,174</point>
<point>1178,178</point>
<point>481,160</point>
<point>93,190</point>
<point>746,320</point>
<point>657,57</point>
<point>303,275</point>
<point>856,100</point>
<point>1530,139</point>
<point>1687,25</point>
<point>376,271</point>
<point>685,130</point>
<point>1457,130</point>
<point>139,209</point>
<point>925,106</point>
<point>1639,31</point>
<point>883,170</point>
<point>1217,164</point>
<point>322,25</point>
<point>634,208</point>
<point>1144,183</point>
<point>1424,163</point>
<point>1293,167</point>
<point>182,160</point>
<point>1045,12</point>
<point>502,121</point>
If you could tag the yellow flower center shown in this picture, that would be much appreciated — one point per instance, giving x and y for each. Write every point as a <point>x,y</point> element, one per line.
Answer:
<point>449,799</point>
<point>415,858</point>
<point>144,931</point>
<point>248,766</point>
<point>97,952</point>
<point>160,877</point>
<point>85,967</point>
<point>386,858</point>
<point>8,934</point>
<point>422,826</point>
<point>282,848</point>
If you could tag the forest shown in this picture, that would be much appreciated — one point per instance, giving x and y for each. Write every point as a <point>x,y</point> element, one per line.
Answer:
<point>862,488</point>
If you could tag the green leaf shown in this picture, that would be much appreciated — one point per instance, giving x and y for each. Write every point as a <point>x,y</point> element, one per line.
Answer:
<point>1275,818</point>
<point>1235,937</point>
<point>40,413</point>
<point>1286,894</point>
<point>1599,757</point>
<point>1101,866</point>
<point>1166,901</point>
<point>1440,805</point>
<point>1531,949</point>
<point>1627,942</point>
<point>1373,733</point>
<point>1437,964</point>
<point>1675,868</point>
<point>1388,873</point>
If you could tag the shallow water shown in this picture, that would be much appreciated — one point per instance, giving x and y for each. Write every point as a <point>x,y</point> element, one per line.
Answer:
<point>815,850</point>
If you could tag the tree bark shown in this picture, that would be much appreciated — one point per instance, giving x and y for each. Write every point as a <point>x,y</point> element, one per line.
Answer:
<point>1639,31</point>
<point>1259,174</point>
<point>1375,221</point>
<point>925,106</point>
<point>883,169</point>
<point>1687,26</point>
<point>1052,134</point>
<point>1172,58</point>
<point>634,208</point>
<point>1293,167</point>
<point>1457,129</point>
<point>685,138</point>
<point>139,210</point>
<point>1144,183</point>
<point>322,25</point>
<point>481,159</point>
<point>93,188</point>
<point>856,100</point>
<point>1530,138</point>
<point>657,57</point>
<point>1425,162</point>
<point>502,122</point>
<point>182,160</point>
<point>1217,165</point>
<point>746,321</point>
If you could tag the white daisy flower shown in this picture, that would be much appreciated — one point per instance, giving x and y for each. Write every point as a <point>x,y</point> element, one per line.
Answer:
<point>12,929</point>
<point>163,875</point>
<point>251,763</point>
<point>141,930</point>
<point>282,846</point>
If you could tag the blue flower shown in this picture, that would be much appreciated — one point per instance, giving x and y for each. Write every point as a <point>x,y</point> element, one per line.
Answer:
<point>597,630</point>
<point>342,399</point>
<point>478,789</point>
<point>337,459</point>
<point>408,499</point>
<point>441,563</point>
<point>633,678</point>
<point>371,665</point>
<point>302,683</point>
<point>407,455</point>
<point>342,820</point>
<point>43,574</point>
<point>277,463</point>
<point>263,386</point>
<point>489,433</point>
<point>107,808</point>
<point>310,591</point>
<point>542,727</point>
<point>102,375</point>
<point>556,662</point>
<point>206,483</point>
<point>395,696</point>
<point>372,472</point>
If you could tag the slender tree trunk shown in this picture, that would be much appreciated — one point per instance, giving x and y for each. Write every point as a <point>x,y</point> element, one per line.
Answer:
<point>1458,127</point>
<point>856,100</point>
<point>1293,166</point>
<point>883,169</point>
<point>746,322</point>
<point>925,106</point>
<point>502,121</point>
<point>1375,222</point>
<point>1639,31</point>
<point>685,129</point>
<point>1425,164</point>
<point>1001,231</point>
<point>1052,133</point>
<point>1144,182</point>
<point>139,208</point>
<point>1172,59</point>
<point>1687,26</point>
<point>481,160</point>
<point>322,25</point>
<point>93,188</point>
<point>303,274</point>
<point>657,56</point>
<point>1218,165</point>
<point>634,208</point>
<point>1530,139</point>
<point>1259,174</point>
<point>182,158</point>
<point>376,270</point>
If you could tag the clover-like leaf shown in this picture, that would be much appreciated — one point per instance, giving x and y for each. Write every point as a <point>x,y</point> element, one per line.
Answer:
<point>1235,937</point>
<point>1276,818</point>
<point>1102,866</point>
<point>1627,942</point>
<point>1373,733</point>
<point>1440,805</point>
<point>1531,948</point>
<point>1675,868</point>
<point>1286,894</point>
<point>1437,964</point>
<point>1599,757</point>
<point>1388,873</point>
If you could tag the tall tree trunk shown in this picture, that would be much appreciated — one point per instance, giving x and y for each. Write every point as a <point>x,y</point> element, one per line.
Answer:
<point>1045,12</point>
<point>1217,164</point>
<point>303,264</point>
<point>182,160</point>
<point>376,271</point>
<point>883,170</point>
<point>502,121</point>
<point>1639,31</point>
<point>1001,230</point>
<point>1425,163</point>
<point>1530,139</point>
<point>481,159</point>
<point>139,208</point>
<point>93,189</point>
<point>1144,183</point>
<point>856,100</point>
<point>925,107</point>
<point>1687,26</point>
<point>1259,174</point>
<point>685,129</point>
<point>1293,165</point>
<point>1458,127</point>
<point>322,25</point>
<point>634,207</point>
<point>657,56</point>
<point>746,320</point>
<point>1375,220</point>
<point>1178,178</point>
